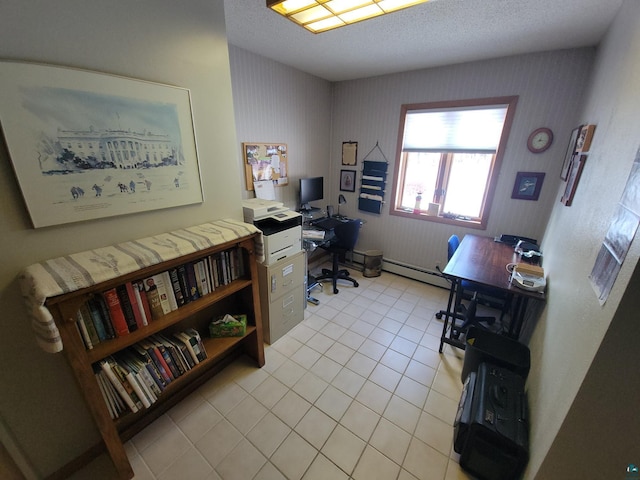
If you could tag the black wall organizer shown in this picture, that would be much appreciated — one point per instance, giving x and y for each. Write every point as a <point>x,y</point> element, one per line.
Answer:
<point>373,182</point>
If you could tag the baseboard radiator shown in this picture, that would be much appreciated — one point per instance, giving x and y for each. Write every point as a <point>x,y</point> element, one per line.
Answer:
<point>405,270</point>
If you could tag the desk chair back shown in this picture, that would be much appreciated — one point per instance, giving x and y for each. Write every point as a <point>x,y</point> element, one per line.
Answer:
<point>346,238</point>
<point>347,235</point>
<point>452,245</point>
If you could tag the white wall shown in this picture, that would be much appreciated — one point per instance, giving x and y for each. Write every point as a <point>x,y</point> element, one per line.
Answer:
<point>573,324</point>
<point>276,103</point>
<point>156,40</point>
<point>550,87</point>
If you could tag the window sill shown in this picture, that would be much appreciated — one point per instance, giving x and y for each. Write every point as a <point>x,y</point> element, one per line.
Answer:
<point>448,220</point>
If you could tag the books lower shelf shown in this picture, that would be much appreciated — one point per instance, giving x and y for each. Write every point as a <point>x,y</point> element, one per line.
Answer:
<point>132,388</point>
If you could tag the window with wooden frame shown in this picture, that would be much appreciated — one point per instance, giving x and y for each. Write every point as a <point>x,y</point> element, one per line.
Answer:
<point>448,159</point>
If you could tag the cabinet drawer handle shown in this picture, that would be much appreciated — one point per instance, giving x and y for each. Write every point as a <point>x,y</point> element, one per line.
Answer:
<point>287,301</point>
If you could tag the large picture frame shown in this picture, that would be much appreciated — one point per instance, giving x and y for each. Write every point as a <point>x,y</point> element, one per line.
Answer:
<point>527,185</point>
<point>86,145</point>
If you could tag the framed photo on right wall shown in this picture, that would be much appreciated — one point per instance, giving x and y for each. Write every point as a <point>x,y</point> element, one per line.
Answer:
<point>575,170</point>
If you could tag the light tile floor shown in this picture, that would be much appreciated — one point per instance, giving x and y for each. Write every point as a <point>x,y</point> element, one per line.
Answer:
<point>358,391</point>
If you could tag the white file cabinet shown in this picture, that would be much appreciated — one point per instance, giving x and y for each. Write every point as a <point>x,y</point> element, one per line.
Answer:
<point>282,295</point>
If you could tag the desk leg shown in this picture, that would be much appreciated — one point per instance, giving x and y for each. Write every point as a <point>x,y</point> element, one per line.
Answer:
<point>518,317</point>
<point>448,313</point>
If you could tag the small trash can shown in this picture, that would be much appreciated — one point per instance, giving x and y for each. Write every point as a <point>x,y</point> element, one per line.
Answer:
<point>372,263</point>
<point>485,346</point>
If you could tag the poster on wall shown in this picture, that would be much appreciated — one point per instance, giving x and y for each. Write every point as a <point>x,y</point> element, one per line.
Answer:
<point>87,145</point>
<point>622,230</point>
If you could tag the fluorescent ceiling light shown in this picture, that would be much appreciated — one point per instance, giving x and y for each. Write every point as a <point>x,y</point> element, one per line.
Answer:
<point>322,15</point>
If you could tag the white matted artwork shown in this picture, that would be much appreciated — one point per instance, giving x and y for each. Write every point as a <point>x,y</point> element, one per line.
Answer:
<point>87,145</point>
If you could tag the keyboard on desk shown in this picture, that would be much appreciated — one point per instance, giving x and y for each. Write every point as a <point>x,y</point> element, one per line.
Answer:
<point>328,223</point>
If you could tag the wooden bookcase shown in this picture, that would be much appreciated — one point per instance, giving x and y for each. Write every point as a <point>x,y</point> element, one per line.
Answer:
<point>239,296</point>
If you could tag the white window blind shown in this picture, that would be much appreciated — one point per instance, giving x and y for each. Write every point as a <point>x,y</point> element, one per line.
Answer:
<point>457,130</point>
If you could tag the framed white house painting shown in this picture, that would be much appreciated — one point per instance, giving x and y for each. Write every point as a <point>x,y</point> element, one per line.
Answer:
<point>87,145</point>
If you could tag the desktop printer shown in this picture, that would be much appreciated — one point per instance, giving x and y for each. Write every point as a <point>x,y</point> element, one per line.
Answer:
<point>281,227</point>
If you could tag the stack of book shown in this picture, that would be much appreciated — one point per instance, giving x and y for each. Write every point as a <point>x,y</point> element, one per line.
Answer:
<point>134,379</point>
<point>126,308</point>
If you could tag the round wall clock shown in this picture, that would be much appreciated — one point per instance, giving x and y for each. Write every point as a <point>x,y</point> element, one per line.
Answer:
<point>540,140</point>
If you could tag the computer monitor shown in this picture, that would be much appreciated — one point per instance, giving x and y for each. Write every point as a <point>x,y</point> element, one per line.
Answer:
<point>311,189</point>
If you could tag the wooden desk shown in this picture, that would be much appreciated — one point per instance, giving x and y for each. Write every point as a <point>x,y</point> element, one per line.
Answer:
<point>482,260</point>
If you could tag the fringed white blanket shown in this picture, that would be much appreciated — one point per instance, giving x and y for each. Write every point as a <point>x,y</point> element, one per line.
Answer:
<point>79,270</point>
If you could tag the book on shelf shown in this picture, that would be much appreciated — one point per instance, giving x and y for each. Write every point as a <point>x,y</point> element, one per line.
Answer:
<point>101,304</point>
<point>142,301</point>
<point>82,330</point>
<point>118,402</point>
<point>233,257</point>
<point>183,355</point>
<point>223,269</point>
<point>177,288</point>
<point>193,333</point>
<point>118,320</point>
<point>133,361</point>
<point>134,298</point>
<point>91,310</point>
<point>127,307</point>
<point>164,355</point>
<point>184,283</point>
<point>140,376</point>
<point>158,358</point>
<point>146,351</point>
<point>175,353</point>
<point>86,326</point>
<point>162,288</point>
<point>144,358</point>
<point>200,278</point>
<point>173,304</point>
<point>187,341</point>
<point>215,272</point>
<point>192,281</point>
<point>118,385</point>
<point>153,298</point>
<point>128,382</point>
<point>113,413</point>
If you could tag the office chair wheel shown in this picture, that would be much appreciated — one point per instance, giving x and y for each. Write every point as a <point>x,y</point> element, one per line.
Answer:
<point>356,284</point>
<point>335,291</point>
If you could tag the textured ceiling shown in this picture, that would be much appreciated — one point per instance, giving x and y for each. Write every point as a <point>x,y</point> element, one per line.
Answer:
<point>440,32</point>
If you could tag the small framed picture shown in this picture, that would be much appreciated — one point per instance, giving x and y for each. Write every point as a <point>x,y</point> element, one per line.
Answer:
<point>583,144</point>
<point>575,170</point>
<point>568,156</point>
<point>527,185</point>
<point>348,180</point>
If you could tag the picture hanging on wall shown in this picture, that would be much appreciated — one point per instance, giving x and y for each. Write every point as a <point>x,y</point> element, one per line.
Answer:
<point>349,153</point>
<point>265,161</point>
<point>575,171</point>
<point>87,145</point>
<point>583,144</point>
<point>568,156</point>
<point>527,185</point>
<point>348,180</point>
